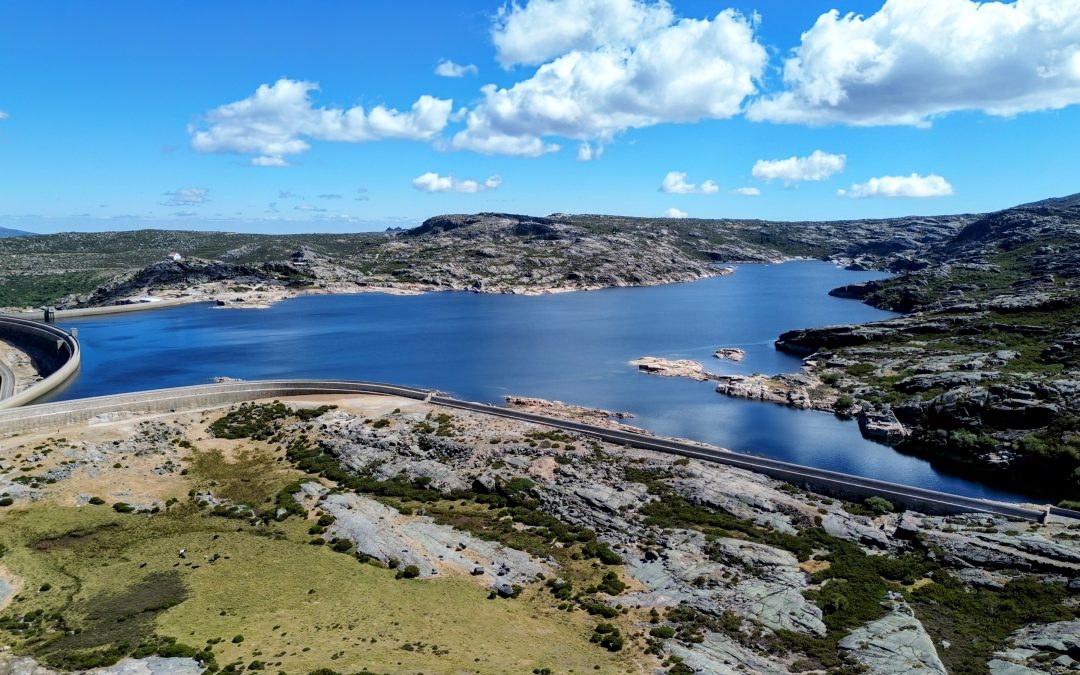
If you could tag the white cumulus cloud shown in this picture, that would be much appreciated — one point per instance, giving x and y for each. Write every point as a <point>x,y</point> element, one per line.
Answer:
<point>277,120</point>
<point>4,115</point>
<point>900,186</point>
<point>186,197</point>
<point>913,60</point>
<point>817,166</point>
<point>609,66</point>
<point>433,182</point>
<point>448,68</point>
<point>540,30</point>
<point>675,183</point>
<point>675,213</point>
<point>746,191</point>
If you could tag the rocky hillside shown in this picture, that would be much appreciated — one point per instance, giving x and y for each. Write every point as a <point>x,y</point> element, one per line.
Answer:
<point>488,252</point>
<point>985,366</point>
<point>402,537</point>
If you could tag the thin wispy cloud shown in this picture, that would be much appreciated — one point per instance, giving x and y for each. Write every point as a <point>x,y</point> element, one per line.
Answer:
<point>448,68</point>
<point>746,191</point>
<point>190,196</point>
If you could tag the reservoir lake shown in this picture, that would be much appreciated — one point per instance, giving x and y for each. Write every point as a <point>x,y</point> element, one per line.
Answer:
<point>572,347</point>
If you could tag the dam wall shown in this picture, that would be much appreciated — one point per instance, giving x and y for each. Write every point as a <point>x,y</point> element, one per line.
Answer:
<point>54,351</point>
<point>56,415</point>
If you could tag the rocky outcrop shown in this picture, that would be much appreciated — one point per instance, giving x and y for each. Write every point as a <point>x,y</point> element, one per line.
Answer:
<point>895,644</point>
<point>190,273</point>
<point>882,425</point>
<point>771,594</point>
<point>654,365</point>
<point>798,390</point>
<point>151,665</point>
<point>982,372</point>
<point>730,353</point>
<point>383,533</point>
<point>596,416</point>
<point>1047,649</point>
<point>720,655</point>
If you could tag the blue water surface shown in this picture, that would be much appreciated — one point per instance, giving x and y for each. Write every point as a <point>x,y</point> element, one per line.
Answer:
<point>572,347</point>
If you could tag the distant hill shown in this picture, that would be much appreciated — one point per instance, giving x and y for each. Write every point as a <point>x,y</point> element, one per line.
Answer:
<point>8,232</point>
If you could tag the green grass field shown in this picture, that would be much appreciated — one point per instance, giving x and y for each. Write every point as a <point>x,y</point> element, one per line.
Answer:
<point>98,585</point>
<point>118,579</point>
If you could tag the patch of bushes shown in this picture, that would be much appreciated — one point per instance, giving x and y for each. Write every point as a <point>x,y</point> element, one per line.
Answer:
<point>859,369</point>
<point>261,421</point>
<point>287,504</point>
<point>602,552</point>
<point>978,621</point>
<point>611,584</point>
<point>608,637</point>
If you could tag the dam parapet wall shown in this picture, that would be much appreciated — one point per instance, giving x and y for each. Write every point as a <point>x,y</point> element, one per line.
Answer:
<point>48,416</point>
<point>54,351</point>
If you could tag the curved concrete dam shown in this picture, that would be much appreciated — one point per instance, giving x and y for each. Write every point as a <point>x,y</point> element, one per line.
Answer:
<point>843,485</point>
<point>54,351</point>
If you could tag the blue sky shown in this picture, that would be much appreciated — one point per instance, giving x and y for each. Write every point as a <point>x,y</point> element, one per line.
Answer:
<point>116,115</point>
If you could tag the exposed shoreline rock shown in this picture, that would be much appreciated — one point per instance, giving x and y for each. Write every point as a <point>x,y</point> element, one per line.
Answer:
<point>654,365</point>
<point>730,353</point>
<point>798,390</point>
<point>577,413</point>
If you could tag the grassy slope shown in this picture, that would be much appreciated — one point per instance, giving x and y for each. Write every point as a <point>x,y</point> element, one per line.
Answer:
<point>117,578</point>
<point>282,595</point>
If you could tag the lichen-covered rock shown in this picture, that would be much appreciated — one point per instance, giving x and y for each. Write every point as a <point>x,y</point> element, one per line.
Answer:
<point>378,531</point>
<point>720,655</point>
<point>895,644</point>
<point>152,665</point>
<point>1052,648</point>
<point>753,580</point>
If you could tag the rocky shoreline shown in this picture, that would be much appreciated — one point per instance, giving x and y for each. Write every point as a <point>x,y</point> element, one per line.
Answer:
<point>981,373</point>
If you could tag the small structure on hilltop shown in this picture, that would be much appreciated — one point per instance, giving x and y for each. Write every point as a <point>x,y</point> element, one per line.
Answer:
<point>174,256</point>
